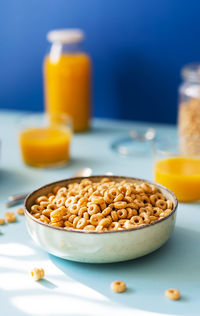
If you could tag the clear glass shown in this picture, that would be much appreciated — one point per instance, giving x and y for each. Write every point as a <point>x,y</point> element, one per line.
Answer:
<point>189,110</point>
<point>45,142</point>
<point>137,143</point>
<point>67,83</point>
<point>178,172</point>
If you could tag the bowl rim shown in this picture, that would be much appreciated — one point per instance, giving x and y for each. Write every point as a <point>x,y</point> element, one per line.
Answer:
<point>75,179</point>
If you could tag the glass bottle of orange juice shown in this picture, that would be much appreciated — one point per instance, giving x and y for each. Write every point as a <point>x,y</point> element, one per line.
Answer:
<point>67,77</point>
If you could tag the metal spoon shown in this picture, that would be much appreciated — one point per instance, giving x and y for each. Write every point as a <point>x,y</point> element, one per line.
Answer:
<point>18,198</point>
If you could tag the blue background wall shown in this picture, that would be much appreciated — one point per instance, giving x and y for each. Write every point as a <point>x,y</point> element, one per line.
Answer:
<point>137,46</point>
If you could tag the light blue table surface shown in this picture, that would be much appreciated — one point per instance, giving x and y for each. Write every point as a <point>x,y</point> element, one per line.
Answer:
<point>84,289</point>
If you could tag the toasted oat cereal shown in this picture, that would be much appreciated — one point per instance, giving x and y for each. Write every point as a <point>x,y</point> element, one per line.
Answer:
<point>173,294</point>
<point>189,126</point>
<point>10,217</point>
<point>37,274</point>
<point>2,221</point>
<point>118,286</point>
<point>102,206</point>
<point>20,211</point>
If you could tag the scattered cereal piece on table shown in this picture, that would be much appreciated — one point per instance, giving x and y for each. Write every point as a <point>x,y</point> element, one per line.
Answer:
<point>20,211</point>
<point>37,274</point>
<point>10,217</point>
<point>173,294</point>
<point>2,221</point>
<point>118,286</point>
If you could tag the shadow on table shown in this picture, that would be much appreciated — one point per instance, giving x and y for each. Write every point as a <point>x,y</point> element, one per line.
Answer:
<point>11,180</point>
<point>176,264</point>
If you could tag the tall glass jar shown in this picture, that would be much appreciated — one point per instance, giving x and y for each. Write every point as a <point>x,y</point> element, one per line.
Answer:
<point>67,77</point>
<point>189,110</point>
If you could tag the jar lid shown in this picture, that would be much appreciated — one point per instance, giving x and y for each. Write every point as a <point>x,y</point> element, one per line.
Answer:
<point>66,36</point>
<point>191,72</point>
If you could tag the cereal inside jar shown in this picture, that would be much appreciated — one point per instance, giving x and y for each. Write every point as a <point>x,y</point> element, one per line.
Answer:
<point>189,110</point>
<point>103,205</point>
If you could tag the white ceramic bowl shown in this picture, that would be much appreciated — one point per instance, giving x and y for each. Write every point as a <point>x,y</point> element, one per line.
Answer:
<point>99,247</point>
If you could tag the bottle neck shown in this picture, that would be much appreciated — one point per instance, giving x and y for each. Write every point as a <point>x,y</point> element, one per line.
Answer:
<point>58,48</point>
<point>191,73</point>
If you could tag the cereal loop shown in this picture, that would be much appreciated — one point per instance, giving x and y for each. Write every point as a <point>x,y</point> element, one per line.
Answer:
<point>52,207</point>
<point>42,198</point>
<point>93,209</point>
<point>101,228</point>
<point>169,204</point>
<point>37,274</point>
<point>89,227</point>
<point>120,205</point>
<point>114,216</point>
<point>20,211</point>
<point>96,218</point>
<point>118,286</point>
<point>57,224</point>
<point>153,199</point>
<point>74,208</point>
<point>97,200</point>
<point>128,224</point>
<point>36,209</point>
<point>106,211</point>
<point>161,204</point>
<point>68,224</point>
<point>105,222</point>
<point>165,213</point>
<point>44,204</point>
<point>56,215</point>
<point>131,212</point>
<point>122,213</point>
<point>119,197</point>
<point>136,220</point>
<point>2,221</point>
<point>101,205</point>
<point>173,294</point>
<point>82,210</point>
<point>60,202</point>
<point>86,216</point>
<point>44,219</point>
<point>10,217</point>
<point>81,223</point>
<point>146,187</point>
<point>145,217</point>
<point>114,226</point>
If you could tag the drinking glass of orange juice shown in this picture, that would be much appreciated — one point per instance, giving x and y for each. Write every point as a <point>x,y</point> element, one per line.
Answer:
<point>67,77</point>
<point>178,172</point>
<point>45,143</point>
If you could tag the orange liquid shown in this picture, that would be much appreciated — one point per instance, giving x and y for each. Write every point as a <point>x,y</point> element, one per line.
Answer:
<point>67,88</point>
<point>45,147</point>
<point>181,175</point>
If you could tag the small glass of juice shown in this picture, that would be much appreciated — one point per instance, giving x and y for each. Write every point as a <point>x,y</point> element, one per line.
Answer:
<point>45,143</point>
<point>178,172</point>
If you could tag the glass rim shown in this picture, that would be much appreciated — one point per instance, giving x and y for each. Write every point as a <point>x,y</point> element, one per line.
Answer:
<point>169,153</point>
<point>27,117</point>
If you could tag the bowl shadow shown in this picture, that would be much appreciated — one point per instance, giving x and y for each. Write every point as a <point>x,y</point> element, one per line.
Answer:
<point>173,265</point>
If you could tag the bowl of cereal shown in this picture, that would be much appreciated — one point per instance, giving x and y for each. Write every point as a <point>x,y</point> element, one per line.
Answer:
<point>101,220</point>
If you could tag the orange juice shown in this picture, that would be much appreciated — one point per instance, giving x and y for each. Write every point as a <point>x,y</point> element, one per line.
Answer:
<point>181,175</point>
<point>67,87</point>
<point>44,147</point>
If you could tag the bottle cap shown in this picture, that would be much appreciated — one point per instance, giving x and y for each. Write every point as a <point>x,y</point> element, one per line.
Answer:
<point>67,36</point>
